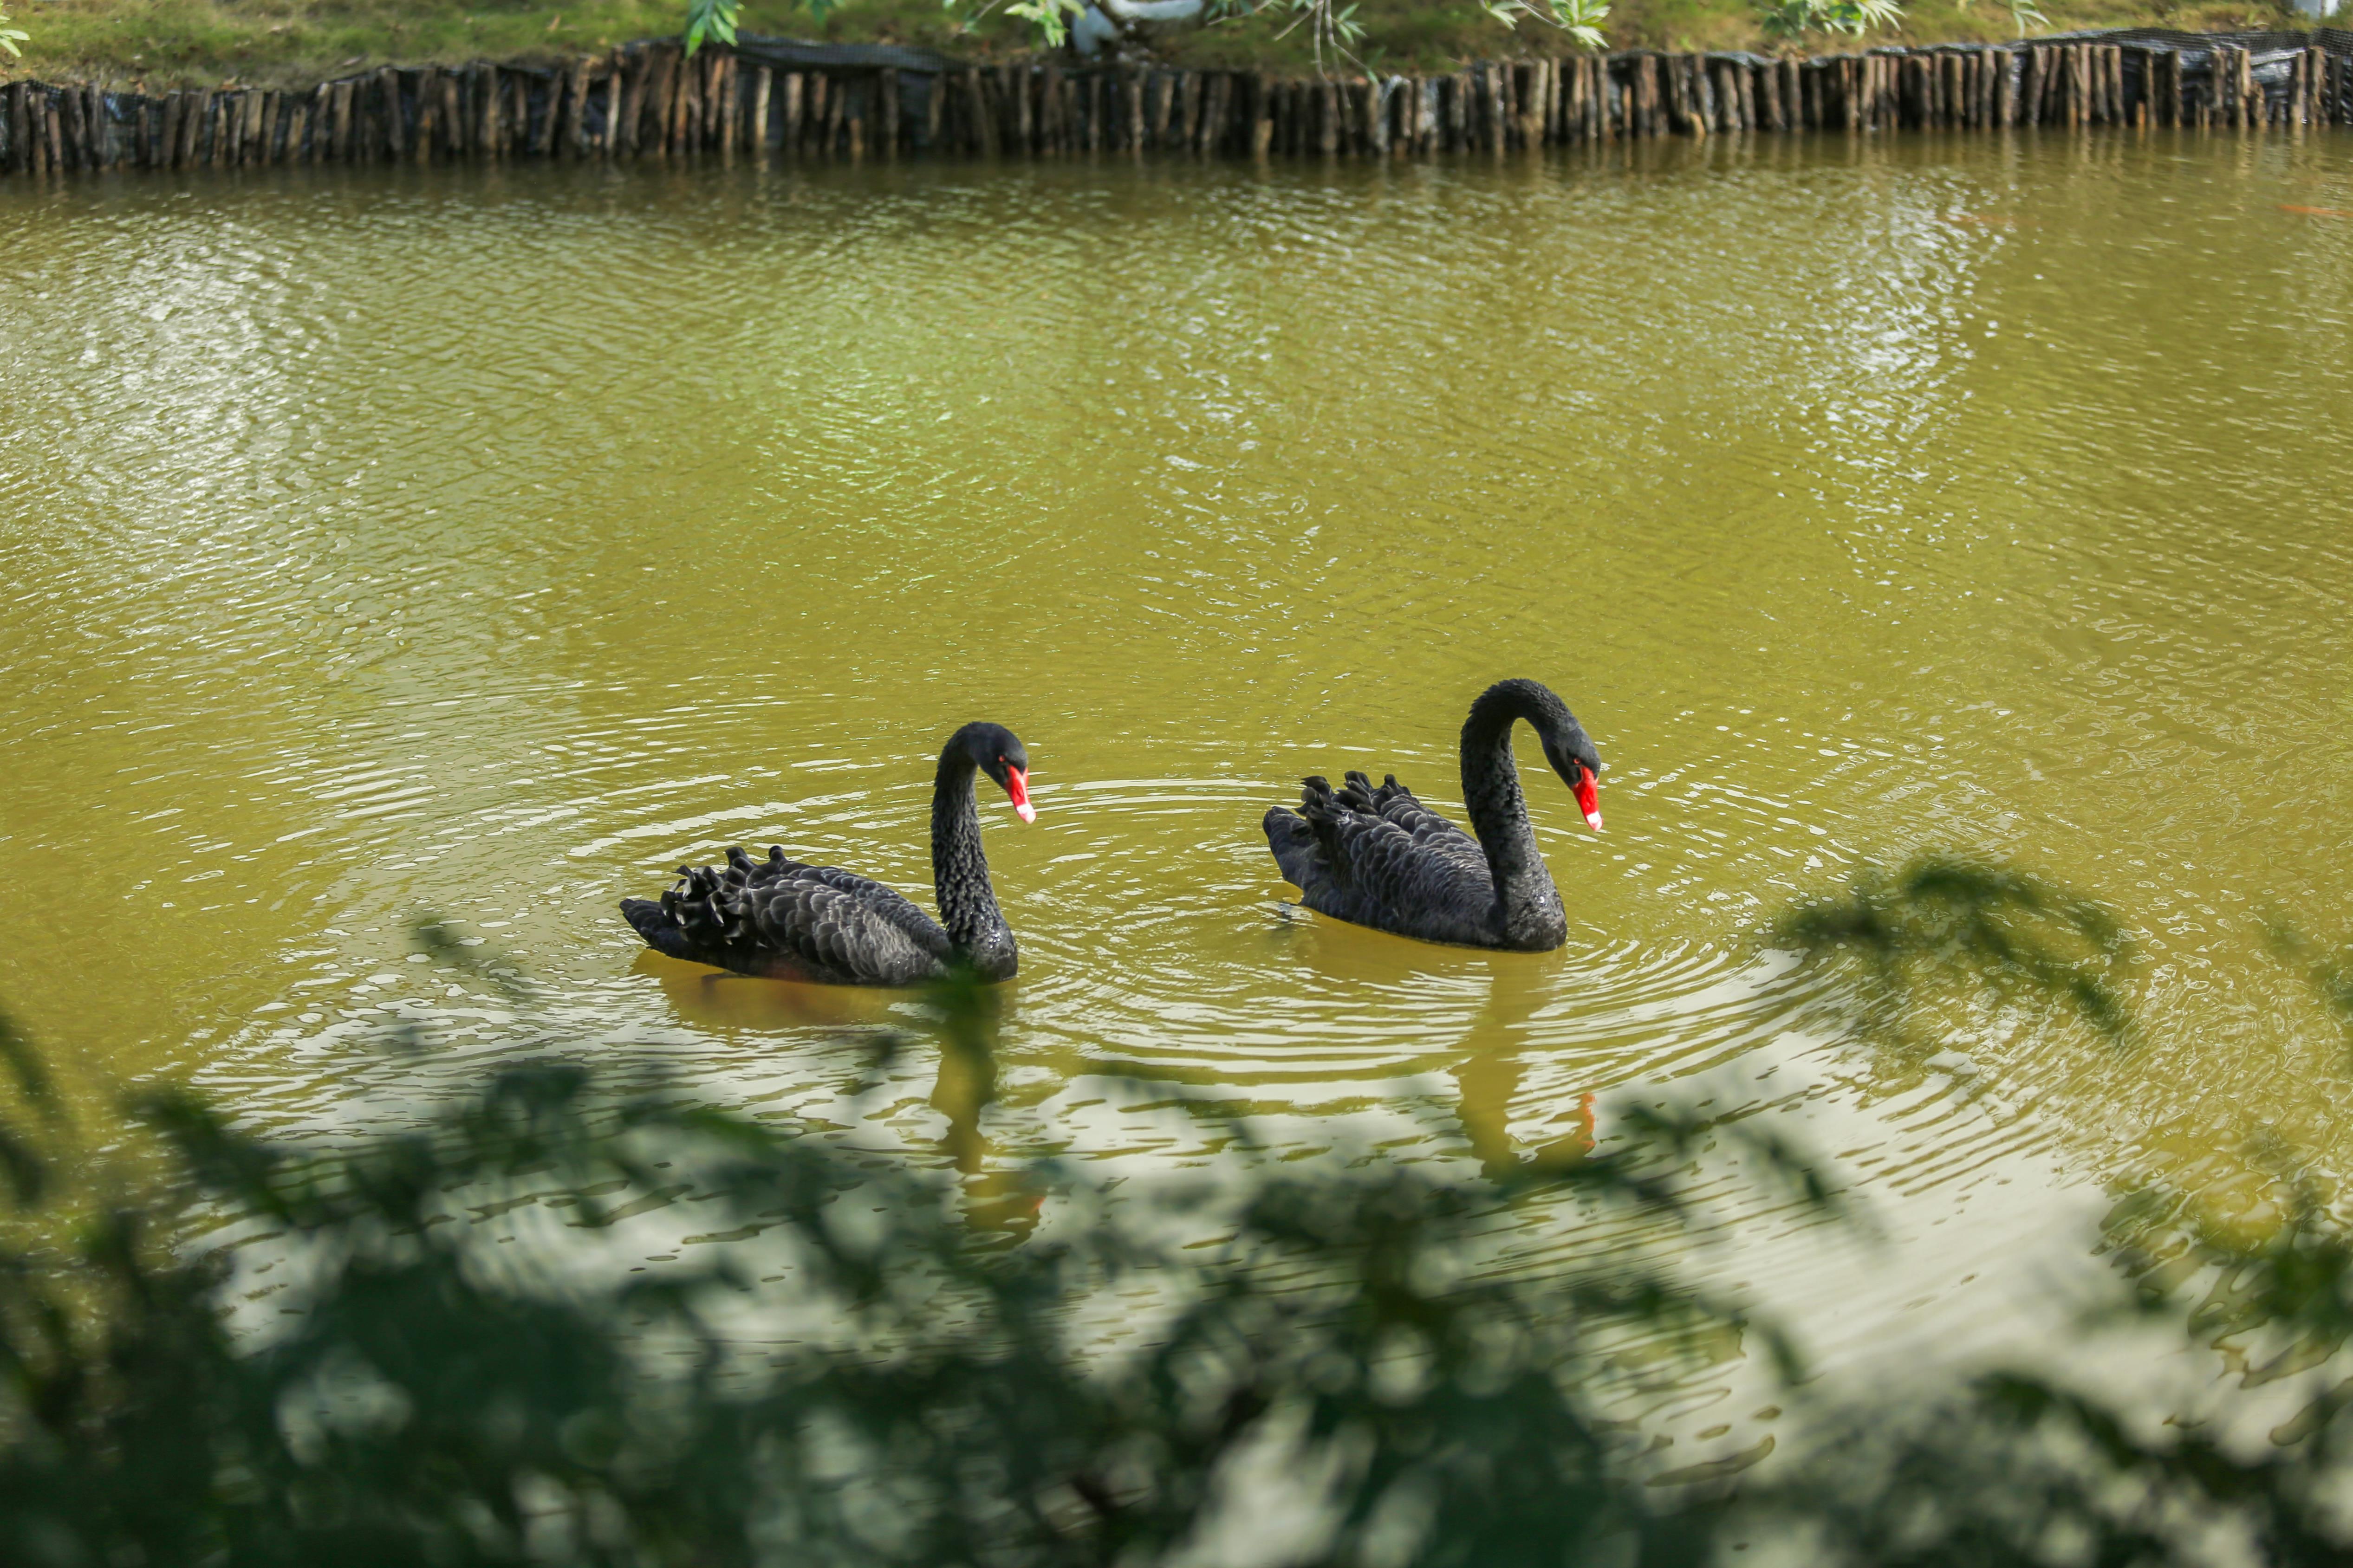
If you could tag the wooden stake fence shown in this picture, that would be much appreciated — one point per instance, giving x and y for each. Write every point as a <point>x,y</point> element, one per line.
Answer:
<point>649,100</point>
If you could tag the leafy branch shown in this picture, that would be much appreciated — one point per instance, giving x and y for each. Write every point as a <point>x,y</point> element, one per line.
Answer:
<point>1788,21</point>
<point>714,20</point>
<point>1580,19</point>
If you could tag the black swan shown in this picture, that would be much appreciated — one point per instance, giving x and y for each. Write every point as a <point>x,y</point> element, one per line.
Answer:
<point>1379,858</point>
<point>790,922</point>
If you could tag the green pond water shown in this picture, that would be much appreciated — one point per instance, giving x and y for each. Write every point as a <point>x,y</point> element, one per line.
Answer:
<point>485,542</point>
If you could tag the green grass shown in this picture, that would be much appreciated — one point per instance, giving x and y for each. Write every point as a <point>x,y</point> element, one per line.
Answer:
<point>160,43</point>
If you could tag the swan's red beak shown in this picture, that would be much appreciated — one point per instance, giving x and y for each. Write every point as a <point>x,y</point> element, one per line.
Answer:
<point>1016,788</point>
<point>1588,797</point>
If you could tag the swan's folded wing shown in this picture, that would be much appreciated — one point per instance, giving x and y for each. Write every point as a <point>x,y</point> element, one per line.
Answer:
<point>1382,875</point>
<point>837,925</point>
<point>1434,833</point>
<point>887,902</point>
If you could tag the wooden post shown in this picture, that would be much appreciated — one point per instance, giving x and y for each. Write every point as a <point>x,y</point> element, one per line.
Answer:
<point>450,114</point>
<point>567,93</point>
<point>102,128</point>
<point>788,113</point>
<point>623,103</point>
<point>755,131</point>
<point>682,128</point>
<point>982,130</point>
<point>573,133</point>
<point>1213,100</point>
<point>649,119</point>
<point>542,139</point>
<point>429,125</point>
<point>486,128</point>
<point>384,125</point>
<point>72,142</point>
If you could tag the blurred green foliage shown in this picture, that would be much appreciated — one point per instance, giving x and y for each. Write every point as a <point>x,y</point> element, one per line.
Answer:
<point>922,1382</point>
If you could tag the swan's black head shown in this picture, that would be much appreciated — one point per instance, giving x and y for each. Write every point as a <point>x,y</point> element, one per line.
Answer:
<point>998,751</point>
<point>1567,747</point>
<point>1572,756</point>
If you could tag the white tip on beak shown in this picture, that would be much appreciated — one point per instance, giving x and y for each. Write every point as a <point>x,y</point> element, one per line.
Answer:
<point>1593,820</point>
<point>1028,813</point>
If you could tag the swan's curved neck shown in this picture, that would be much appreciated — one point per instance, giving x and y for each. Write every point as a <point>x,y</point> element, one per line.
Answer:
<point>967,903</point>
<point>1527,910</point>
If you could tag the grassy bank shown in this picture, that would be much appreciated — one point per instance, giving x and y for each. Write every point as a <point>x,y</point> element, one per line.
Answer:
<point>175,42</point>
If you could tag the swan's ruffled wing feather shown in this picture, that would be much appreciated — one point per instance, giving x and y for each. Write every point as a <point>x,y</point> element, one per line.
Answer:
<point>1373,870</point>
<point>780,917</point>
<point>886,902</point>
<point>838,926</point>
<point>1435,834</point>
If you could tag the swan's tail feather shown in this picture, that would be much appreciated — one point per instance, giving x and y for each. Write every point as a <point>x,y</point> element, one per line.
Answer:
<point>1295,847</point>
<point>654,922</point>
<point>1323,811</point>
